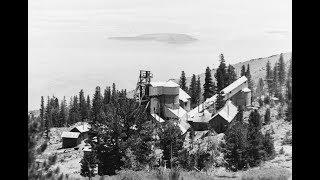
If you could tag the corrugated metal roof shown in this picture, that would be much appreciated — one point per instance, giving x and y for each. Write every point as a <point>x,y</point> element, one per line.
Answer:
<point>164,84</point>
<point>228,112</point>
<point>66,134</point>
<point>183,96</point>
<point>158,118</point>
<point>235,84</point>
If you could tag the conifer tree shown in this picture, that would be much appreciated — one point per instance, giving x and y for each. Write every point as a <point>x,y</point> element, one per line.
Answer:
<point>231,74</point>
<point>219,102</point>
<point>193,90</point>
<point>82,106</point>
<point>97,106</point>
<point>88,164</point>
<point>281,71</point>
<point>114,95</point>
<point>275,87</point>
<point>239,116</point>
<point>42,109</point>
<point>106,98</point>
<point>183,82</point>
<point>243,70</point>
<point>63,113</point>
<point>88,104</point>
<point>248,75</point>
<point>236,146</point>
<point>208,85</point>
<point>267,116</point>
<point>221,74</point>
<point>269,77</point>
<point>254,139</point>
<point>268,146</point>
<point>47,119</point>
<point>260,87</point>
<point>198,89</point>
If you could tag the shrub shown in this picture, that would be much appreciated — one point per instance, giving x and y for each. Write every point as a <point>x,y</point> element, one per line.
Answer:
<point>267,100</point>
<point>260,102</point>
<point>174,174</point>
<point>281,151</point>
<point>287,138</point>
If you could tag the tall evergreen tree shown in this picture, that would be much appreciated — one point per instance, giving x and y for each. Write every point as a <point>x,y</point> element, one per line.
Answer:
<point>248,75</point>
<point>183,82</point>
<point>243,70</point>
<point>281,71</point>
<point>269,77</point>
<point>208,85</point>
<point>260,87</point>
<point>219,102</point>
<point>106,98</point>
<point>114,94</point>
<point>47,119</point>
<point>255,138</point>
<point>42,109</point>
<point>239,116</point>
<point>193,91</point>
<point>97,106</point>
<point>275,87</point>
<point>221,74</point>
<point>198,89</point>
<point>82,106</point>
<point>88,104</point>
<point>63,113</point>
<point>231,74</point>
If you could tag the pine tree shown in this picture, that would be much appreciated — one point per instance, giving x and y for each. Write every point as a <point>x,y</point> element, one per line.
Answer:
<point>42,118</point>
<point>289,75</point>
<point>269,77</point>
<point>243,70</point>
<point>88,104</point>
<point>248,75</point>
<point>281,71</point>
<point>63,113</point>
<point>275,87</point>
<point>267,116</point>
<point>82,106</point>
<point>208,85</point>
<point>254,139</point>
<point>221,74</point>
<point>239,116</point>
<point>114,94</point>
<point>97,106</point>
<point>219,102</point>
<point>106,98</point>
<point>260,87</point>
<point>183,82</point>
<point>193,91</point>
<point>231,74</point>
<point>88,164</point>
<point>198,89</point>
<point>236,146</point>
<point>268,146</point>
<point>47,119</point>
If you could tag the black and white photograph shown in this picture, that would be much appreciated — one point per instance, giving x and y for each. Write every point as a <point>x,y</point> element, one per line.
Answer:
<point>160,89</point>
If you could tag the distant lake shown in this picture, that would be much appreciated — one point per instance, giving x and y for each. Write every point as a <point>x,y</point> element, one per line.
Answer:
<point>70,46</point>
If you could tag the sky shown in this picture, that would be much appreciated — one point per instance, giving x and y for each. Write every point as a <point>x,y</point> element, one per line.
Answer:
<point>69,49</point>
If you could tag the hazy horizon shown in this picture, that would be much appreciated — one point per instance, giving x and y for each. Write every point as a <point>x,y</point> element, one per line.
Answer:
<point>69,47</point>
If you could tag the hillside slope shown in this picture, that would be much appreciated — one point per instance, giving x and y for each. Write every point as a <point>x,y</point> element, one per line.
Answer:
<point>257,68</point>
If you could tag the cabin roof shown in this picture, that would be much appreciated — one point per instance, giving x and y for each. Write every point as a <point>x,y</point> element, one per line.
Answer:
<point>227,112</point>
<point>67,134</point>
<point>164,84</point>
<point>183,96</point>
<point>158,118</point>
<point>235,84</point>
<point>82,128</point>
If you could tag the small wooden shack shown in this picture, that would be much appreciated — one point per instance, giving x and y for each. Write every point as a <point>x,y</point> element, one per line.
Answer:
<point>70,139</point>
<point>221,120</point>
<point>82,129</point>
